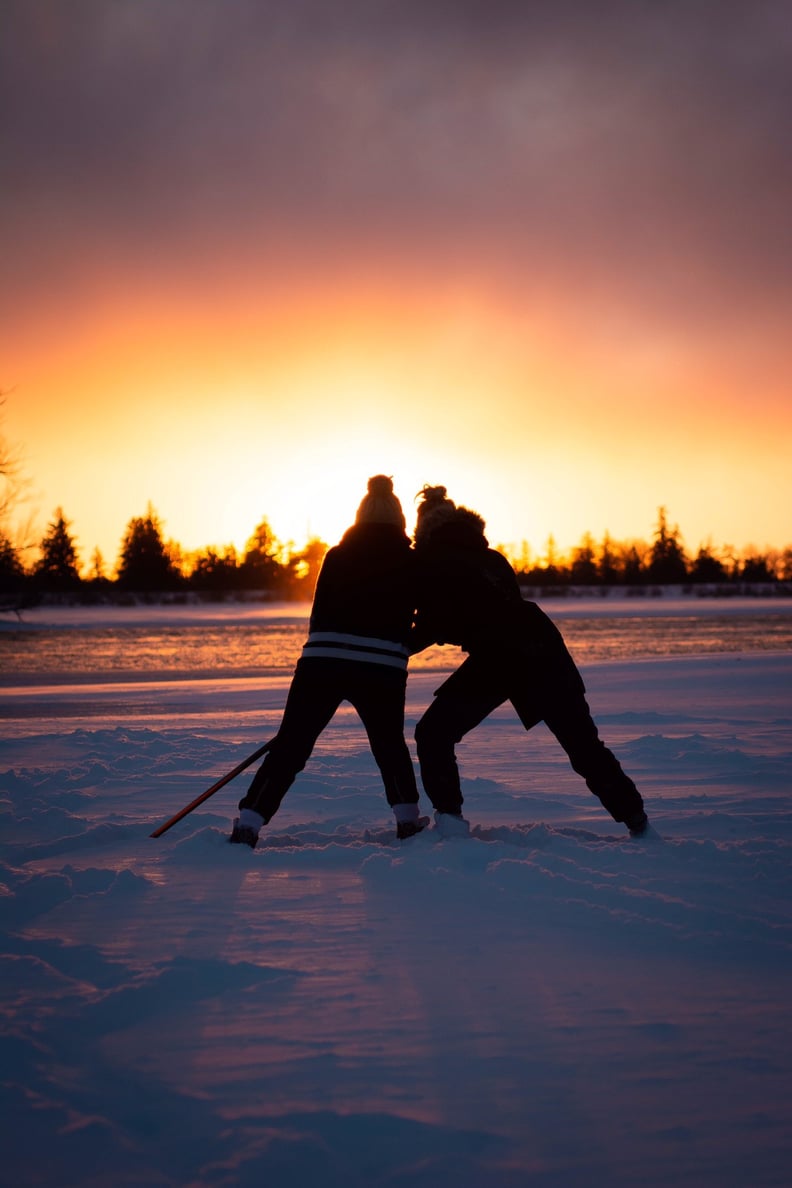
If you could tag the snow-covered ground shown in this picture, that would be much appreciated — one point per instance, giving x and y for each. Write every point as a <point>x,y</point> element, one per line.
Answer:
<point>545,1004</point>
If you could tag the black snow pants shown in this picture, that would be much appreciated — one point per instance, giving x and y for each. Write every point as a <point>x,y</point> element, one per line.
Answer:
<point>548,691</point>
<point>318,687</point>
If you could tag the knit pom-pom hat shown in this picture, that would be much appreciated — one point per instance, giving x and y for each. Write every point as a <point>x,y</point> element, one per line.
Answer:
<point>380,505</point>
<point>434,509</point>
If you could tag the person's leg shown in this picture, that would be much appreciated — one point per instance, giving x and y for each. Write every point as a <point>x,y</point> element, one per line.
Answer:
<point>378,697</point>
<point>314,697</point>
<point>377,694</point>
<point>464,700</point>
<point>570,720</point>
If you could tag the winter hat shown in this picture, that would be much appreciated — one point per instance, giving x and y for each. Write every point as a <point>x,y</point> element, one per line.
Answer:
<point>380,505</point>
<point>434,509</point>
<point>469,521</point>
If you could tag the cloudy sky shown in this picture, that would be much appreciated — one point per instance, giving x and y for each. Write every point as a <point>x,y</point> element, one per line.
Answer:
<point>256,251</point>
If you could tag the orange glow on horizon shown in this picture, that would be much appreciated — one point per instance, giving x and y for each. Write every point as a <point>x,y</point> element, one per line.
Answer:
<point>221,413</point>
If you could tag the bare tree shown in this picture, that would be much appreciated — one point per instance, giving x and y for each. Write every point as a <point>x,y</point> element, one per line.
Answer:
<point>13,492</point>
<point>11,481</point>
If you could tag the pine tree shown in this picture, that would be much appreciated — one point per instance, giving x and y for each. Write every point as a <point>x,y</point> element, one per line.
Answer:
<point>632,565</point>
<point>757,567</point>
<point>215,571</point>
<point>260,568</point>
<point>608,567</point>
<point>145,563</point>
<point>584,566</point>
<point>707,567</point>
<point>97,566</point>
<point>11,572</point>
<point>667,562</point>
<point>58,567</point>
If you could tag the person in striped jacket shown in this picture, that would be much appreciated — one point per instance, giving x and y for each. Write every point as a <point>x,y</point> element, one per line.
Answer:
<point>357,651</point>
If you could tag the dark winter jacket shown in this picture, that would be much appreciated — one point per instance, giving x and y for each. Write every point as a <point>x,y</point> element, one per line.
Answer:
<point>468,595</point>
<point>365,598</point>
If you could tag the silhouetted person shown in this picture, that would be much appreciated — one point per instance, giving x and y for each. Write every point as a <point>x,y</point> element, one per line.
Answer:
<point>469,595</point>
<point>357,651</point>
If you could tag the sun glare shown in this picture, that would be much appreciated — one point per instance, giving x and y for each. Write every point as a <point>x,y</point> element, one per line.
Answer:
<point>320,495</point>
<point>319,492</point>
<point>359,414</point>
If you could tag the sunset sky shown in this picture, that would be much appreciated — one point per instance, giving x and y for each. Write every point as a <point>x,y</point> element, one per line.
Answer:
<point>255,251</point>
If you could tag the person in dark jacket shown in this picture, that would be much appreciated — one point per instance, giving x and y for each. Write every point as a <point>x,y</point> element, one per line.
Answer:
<point>468,595</point>
<point>357,650</point>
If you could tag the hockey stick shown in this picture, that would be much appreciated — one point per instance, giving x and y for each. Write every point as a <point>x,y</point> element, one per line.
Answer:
<point>226,779</point>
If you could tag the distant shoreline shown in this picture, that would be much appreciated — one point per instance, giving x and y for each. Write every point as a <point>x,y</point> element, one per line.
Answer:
<point>255,599</point>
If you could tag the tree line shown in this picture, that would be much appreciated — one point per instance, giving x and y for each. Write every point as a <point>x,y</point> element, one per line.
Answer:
<point>663,561</point>
<point>148,564</point>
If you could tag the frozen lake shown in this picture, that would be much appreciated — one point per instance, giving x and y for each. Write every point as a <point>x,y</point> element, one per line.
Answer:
<point>547,1004</point>
<point>245,640</point>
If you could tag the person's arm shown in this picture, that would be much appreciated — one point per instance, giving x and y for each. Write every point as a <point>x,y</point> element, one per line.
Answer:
<point>425,629</point>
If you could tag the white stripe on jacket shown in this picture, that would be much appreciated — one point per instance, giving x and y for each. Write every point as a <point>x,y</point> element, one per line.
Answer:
<point>337,645</point>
